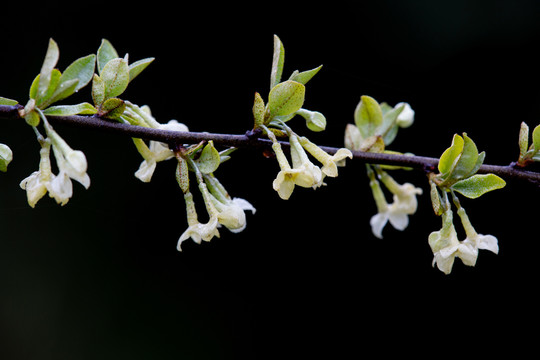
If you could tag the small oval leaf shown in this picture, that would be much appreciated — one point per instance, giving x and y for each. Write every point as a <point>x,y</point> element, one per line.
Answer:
<point>477,185</point>
<point>81,69</point>
<point>67,110</point>
<point>209,160</point>
<point>115,76</point>
<point>451,155</point>
<point>285,98</point>
<point>368,116</point>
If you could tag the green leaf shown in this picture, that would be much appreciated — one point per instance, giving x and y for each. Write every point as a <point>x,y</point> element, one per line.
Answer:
<point>536,138</point>
<point>105,53</point>
<point>451,155</point>
<point>41,101</point>
<point>6,101</point>
<point>112,108</point>
<point>67,110</point>
<point>81,69</point>
<point>277,62</point>
<point>115,75</point>
<point>368,116</point>
<point>209,160</point>
<point>305,76</point>
<point>6,155</point>
<point>467,160</point>
<point>138,66</point>
<point>285,98</point>
<point>32,118</point>
<point>51,58</point>
<point>258,110</point>
<point>389,127</point>
<point>34,87</point>
<point>477,185</point>
<point>98,90</point>
<point>65,89</point>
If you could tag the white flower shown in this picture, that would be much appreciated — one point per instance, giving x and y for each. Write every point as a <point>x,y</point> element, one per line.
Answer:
<point>398,219</point>
<point>304,175</point>
<point>156,152</point>
<point>232,213</point>
<point>35,186</point>
<point>475,240</point>
<point>446,246</point>
<point>37,183</point>
<point>405,203</point>
<point>406,117</point>
<point>310,175</point>
<point>196,230</point>
<point>73,164</point>
<point>330,162</point>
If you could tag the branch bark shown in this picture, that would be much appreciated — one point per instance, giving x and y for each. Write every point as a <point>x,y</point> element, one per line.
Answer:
<point>251,140</point>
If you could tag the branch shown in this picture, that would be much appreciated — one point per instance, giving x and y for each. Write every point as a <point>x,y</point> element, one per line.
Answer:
<point>251,139</point>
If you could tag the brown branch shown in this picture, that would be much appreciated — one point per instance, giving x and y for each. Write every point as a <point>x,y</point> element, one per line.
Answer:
<point>251,139</point>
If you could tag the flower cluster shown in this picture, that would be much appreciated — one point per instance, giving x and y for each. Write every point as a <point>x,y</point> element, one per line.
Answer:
<point>446,246</point>
<point>156,151</point>
<point>457,174</point>
<point>303,172</point>
<point>71,165</point>
<point>376,126</point>
<point>222,210</point>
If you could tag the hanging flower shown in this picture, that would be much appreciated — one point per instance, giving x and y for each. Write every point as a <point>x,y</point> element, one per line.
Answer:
<point>288,177</point>
<point>156,152</point>
<point>37,183</point>
<point>197,231</point>
<point>385,212</point>
<point>231,212</point>
<point>330,162</point>
<point>404,204</point>
<point>475,240</point>
<point>446,246</point>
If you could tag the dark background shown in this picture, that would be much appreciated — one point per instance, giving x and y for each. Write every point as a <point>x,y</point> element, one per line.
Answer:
<point>100,278</point>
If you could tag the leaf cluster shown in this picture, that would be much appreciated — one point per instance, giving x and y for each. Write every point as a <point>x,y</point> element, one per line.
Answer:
<point>528,154</point>
<point>206,158</point>
<point>457,172</point>
<point>113,78</point>
<point>286,98</point>
<point>51,85</point>
<point>376,125</point>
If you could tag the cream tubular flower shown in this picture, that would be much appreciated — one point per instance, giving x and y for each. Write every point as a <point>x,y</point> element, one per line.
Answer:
<point>231,212</point>
<point>37,183</point>
<point>392,213</point>
<point>286,178</point>
<point>69,161</point>
<point>196,230</point>
<point>446,246</point>
<point>330,162</point>
<point>475,240</point>
<point>156,152</point>
<point>73,165</point>
<point>404,195</point>
<point>310,175</point>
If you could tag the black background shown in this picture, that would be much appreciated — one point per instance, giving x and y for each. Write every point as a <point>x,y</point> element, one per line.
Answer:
<point>100,278</point>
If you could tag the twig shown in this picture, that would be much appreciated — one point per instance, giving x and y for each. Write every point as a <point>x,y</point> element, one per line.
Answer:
<point>251,139</point>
